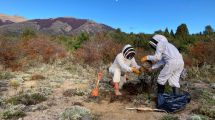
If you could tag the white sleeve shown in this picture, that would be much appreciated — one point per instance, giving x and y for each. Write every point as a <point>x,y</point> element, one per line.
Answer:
<point>122,63</point>
<point>158,64</point>
<point>134,64</point>
<point>158,53</point>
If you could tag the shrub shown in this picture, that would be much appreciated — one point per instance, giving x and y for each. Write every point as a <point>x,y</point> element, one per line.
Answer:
<point>204,73</point>
<point>197,117</point>
<point>10,54</point>
<point>73,92</point>
<point>15,54</point>
<point>48,50</point>
<point>203,52</point>
<point>27,98</point>
<point>72,42</point>
<point>6,75</point>
<point>28,34</point>
<point>99,49</point>
<point>14,83</point>
<point>75,113</point>
<point>13,112</point>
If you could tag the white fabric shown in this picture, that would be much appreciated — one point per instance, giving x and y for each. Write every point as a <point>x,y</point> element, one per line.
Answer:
<point>167,54</point>
<point>171,73</point>
<point>165,51</point>
<point>121,64</point>
<point>118,78</point>
<point>160,38</point>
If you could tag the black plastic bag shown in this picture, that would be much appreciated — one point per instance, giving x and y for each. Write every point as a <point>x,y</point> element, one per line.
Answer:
<point>173,103</point>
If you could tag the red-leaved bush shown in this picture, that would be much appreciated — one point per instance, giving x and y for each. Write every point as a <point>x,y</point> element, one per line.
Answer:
<point>44,48</point>
<point>16,53</point>
<point>10,54</point>
<point>98,50</point>
<point>202,52</point>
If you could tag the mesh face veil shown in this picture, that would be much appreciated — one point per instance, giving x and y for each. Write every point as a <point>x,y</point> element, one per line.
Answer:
<point>153,43</point>
<point>128,52</point>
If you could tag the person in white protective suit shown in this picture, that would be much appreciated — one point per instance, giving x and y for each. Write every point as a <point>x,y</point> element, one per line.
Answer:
<point>168,55</point>
<point>123,63</point>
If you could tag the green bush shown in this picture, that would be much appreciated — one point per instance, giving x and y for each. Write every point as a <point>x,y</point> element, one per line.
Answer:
<point>73,42</point>
<point>6,75</point>
<point>13,112</point>
<point>28,34</point>
<point>197,117</point>
<point>75,113</point>
<point>27,98</point>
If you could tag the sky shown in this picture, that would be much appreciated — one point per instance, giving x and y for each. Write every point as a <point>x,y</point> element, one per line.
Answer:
<point>145,16</point>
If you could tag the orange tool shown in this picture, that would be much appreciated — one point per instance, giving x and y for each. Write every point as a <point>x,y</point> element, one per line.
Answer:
<point>95,91</point>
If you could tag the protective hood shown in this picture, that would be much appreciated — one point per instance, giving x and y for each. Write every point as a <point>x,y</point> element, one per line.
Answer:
<point>160,38</point>
<point>156,39</point>
<point>128,51</point>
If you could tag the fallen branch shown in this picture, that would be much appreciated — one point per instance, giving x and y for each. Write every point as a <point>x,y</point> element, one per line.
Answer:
<point>146,109</point>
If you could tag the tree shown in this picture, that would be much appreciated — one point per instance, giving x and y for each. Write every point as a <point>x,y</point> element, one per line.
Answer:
<point>158,32</point>
<point>172,33</point>
<point>80,39</point>
<point>166,32</point>
<point>208,30</point>
<point>182,31</point>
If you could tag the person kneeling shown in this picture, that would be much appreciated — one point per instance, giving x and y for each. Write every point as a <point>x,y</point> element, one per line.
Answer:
<point>123,63</point>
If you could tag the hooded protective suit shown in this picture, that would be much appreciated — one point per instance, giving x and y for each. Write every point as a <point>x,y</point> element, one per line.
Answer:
<point>122,65</point>
<point>168,55</point>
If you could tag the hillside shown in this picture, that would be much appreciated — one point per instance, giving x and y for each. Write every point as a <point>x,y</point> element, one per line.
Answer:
<point>53,26</point>
<point>13,18</point>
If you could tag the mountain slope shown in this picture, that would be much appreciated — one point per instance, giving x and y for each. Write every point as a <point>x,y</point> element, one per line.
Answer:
<point>53,26</point>
<point>11,19</point>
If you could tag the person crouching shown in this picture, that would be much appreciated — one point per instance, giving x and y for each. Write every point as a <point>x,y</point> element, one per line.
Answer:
<point>123,63</point>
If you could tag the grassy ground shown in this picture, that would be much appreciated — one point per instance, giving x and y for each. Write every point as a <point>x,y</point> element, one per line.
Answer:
<point>50,91</point>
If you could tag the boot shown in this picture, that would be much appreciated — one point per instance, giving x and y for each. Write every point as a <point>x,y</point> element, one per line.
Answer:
<point>160,89</point>
<point>175,91</point>
<point>116,89</point>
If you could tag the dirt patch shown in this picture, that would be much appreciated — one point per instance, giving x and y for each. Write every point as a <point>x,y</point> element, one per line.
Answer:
<point>30,84</point>
<point>117,111</point>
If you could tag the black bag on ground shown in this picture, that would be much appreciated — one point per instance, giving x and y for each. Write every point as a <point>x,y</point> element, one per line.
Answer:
<point>173,103</point>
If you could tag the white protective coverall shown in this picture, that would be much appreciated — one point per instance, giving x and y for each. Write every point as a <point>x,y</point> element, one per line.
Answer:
<point>168,55</point>
<point>122,65</point>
